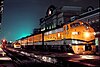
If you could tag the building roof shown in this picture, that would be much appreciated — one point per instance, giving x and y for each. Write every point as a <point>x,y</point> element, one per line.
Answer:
<point>71,8</point>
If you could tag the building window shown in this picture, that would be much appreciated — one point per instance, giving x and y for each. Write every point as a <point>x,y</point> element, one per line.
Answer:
<point>50,27</point>
<point>60,21</point>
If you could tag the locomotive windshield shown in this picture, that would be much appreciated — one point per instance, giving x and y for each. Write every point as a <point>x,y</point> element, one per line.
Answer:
<point>75,25</point>
<point>85,24</point>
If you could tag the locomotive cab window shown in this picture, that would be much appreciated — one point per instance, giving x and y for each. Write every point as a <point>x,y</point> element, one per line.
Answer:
<point>75,25</point>
<point>85,24</point>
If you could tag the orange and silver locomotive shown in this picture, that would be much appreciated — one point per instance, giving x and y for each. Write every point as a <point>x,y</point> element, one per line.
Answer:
<point>77,37</point>
<point>81,37</point>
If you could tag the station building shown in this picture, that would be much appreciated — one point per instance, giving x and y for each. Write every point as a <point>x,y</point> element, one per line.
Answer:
<point>56,17</point>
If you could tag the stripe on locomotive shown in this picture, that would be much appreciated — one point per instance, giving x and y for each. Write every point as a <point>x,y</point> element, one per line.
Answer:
<point>64,42</point>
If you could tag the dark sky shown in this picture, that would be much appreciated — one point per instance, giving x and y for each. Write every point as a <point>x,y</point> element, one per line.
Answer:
<point>20,17</point>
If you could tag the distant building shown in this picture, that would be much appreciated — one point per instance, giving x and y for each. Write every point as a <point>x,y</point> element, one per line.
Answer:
<point>1,11</point>
<point>56,17</point>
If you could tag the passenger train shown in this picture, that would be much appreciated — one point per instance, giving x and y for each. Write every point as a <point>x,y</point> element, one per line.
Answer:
<point>77,37</point>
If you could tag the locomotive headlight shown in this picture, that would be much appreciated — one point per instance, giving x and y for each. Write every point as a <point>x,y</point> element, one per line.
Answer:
<point>86,34</point>
<point>75,33</point>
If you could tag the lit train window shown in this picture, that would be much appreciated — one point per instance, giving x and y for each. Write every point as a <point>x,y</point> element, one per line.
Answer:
<point>75,25</point>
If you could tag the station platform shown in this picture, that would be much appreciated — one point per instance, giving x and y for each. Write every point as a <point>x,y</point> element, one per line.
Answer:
<point>5,61</point>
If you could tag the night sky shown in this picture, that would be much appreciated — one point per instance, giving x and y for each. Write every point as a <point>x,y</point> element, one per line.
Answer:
<point>20,17</point>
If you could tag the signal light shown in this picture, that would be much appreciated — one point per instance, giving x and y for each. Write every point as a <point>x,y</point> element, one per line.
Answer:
<point>4,40</point>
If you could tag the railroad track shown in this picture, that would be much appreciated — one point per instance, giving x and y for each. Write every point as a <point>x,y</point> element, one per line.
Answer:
<point>22,60</point>
<point>50,58</point>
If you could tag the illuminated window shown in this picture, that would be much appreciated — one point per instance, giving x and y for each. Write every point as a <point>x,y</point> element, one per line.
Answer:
<point>58,34</point>
<point>50,12</point>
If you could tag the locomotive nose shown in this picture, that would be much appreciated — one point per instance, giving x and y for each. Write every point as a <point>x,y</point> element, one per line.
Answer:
<point>88,33</point>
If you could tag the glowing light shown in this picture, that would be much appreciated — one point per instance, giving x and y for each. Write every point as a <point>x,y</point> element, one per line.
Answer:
<point>70,54</point>
<point>10,41</point>
<point>86,34</point>
<point>58,34</point>
<point>4,40</point>
<point>50,12</point>
<point>76,42</point>
<point>3,53</point>
<point>94,33</point>
<point>35,56</point>
<point>70,44</point>
<point>23,35</point>
<point>5,58</point>
<point>1,49</point>
<point>44,58</point>
<point>87,56</point>
<point>43,29</point>
<point>27,54</point>
<point>74,33</point>
<point>74,60</point>
<point>48,59</point>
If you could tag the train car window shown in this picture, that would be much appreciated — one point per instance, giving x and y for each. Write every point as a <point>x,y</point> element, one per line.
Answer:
<point>75,25</point>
